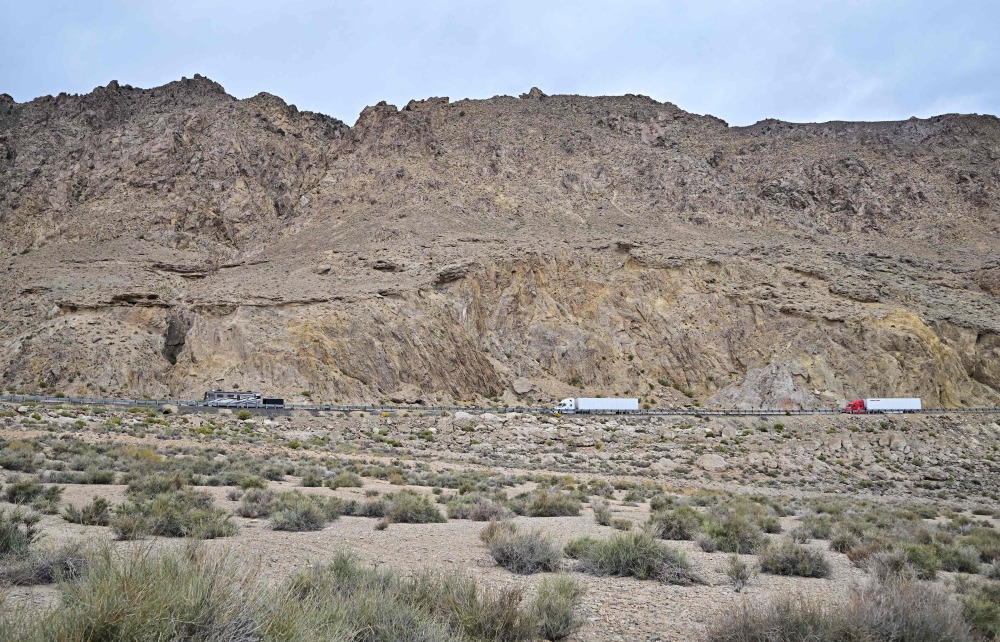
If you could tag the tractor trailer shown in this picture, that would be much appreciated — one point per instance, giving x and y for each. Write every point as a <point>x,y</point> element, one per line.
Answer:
<point>885,406</point>
<point>597,404</point>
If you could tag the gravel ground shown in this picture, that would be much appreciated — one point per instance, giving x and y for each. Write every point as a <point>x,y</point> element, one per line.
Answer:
<point>615,608</point>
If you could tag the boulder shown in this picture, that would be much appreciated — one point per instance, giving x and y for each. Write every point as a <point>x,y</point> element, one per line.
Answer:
<point>711,462</point>
<point>877,472</point>
<point>523,386</point>
<point>935,474</point>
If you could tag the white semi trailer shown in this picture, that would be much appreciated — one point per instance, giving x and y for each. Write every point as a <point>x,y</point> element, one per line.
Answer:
<point>597,404</point>
<point>883,405</point>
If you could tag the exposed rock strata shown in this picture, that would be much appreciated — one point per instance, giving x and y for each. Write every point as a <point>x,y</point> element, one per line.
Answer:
<point>169,240</point>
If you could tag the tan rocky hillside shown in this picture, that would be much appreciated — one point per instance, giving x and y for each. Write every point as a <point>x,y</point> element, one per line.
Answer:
<point>164,241</point>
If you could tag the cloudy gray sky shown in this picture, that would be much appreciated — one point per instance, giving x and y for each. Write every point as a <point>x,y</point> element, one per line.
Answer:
<point>804,60</point>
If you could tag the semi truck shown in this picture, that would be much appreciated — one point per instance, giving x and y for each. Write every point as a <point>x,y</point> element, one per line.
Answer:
<point>884,406</point>
<point>596,404</point>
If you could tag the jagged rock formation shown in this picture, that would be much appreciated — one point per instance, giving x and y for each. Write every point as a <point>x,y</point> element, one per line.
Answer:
<point>164,241</point>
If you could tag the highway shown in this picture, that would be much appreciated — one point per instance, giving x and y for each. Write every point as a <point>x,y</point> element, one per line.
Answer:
<point>378,409</point>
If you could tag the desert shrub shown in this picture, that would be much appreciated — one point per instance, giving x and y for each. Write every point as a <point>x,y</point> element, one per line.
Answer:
<point>705,543</point>
<point>345,480</point>
<point>893,612</point>
<point>149,486</point>
<point>346,598</point>
<point>45,566</point>
<point>523,552</point>
<point>923,559</point>
<point>961,559</point>
<point>23,491</point>
<point>842,541</point>
<point>409,507</point>
<point>96,513</point>
<point>374,508</point>
<point>601,487</point>
<point>889,565</point>
<point>986,541</point>
<point>181,513</point>
<point>497,529</point>
<point>557,606</point>
<point>633,554</point>
<point>243,415</point>
<point>182,595</point>
<point>800,535</point>
<point>273,473</point>
<point>860,553</point>
<point>251,481</point>
<point>578,547</point>
<point>545,503</point>
<point>48,502</point>
<point>479,507</point>
<point>681,523</point>
<point>88,476</point>
<point>487,510</point>
<point>993,571</point>
<point>17,531</point>
<point>794,559</point>
<point>818,526</point>
<point>602,512</point>
<point>19,458</point>
<point>660,502</point>
<point>255,503</point>
<point>738,572</point>
<point>736,534</point>
<point>981,607</point>
<point>311,480</point>
<point>741,509</point>
<point>298,511</point>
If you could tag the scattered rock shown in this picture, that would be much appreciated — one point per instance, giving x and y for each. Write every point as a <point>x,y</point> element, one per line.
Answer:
<point>523,386</point>
<point>711,462</point>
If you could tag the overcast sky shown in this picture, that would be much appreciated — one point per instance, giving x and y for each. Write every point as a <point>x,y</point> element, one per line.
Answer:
<point>803,60</point>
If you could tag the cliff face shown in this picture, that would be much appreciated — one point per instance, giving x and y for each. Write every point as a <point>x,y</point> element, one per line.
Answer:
<point>165,241</point>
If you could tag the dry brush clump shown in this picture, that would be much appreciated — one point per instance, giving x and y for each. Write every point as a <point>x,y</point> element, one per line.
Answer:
<point>195,594</point>
<point>478,507</point>
<point>557,607</point>
<point>28,492</point>
<point>255,503</point>
<point>298,511</point>
<point>739,572</point>
<point>545,502</point>
<point>22,563</point>
<point>96,513</point>
<point>631,554</point>
<point>790,558</point>
<point>731,525</point>
<point>522,552</point>
<point>876,612</point>
<point>182,513</point>
<point>602,512</point>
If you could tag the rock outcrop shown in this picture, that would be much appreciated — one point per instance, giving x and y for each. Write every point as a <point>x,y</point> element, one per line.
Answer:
<point>165,241</point>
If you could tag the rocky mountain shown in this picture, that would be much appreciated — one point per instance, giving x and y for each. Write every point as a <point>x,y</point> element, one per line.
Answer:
<point>171,240</point>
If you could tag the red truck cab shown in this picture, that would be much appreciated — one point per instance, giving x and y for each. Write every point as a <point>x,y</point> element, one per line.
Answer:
<point>856,407</point>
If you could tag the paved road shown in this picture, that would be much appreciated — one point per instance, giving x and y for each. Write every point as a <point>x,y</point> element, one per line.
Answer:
<point>495,409</point>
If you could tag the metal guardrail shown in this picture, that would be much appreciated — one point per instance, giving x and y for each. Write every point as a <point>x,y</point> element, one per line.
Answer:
<point>723,412</point>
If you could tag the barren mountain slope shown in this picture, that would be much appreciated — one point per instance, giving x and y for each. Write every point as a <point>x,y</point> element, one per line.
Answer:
<point>170,240</point>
